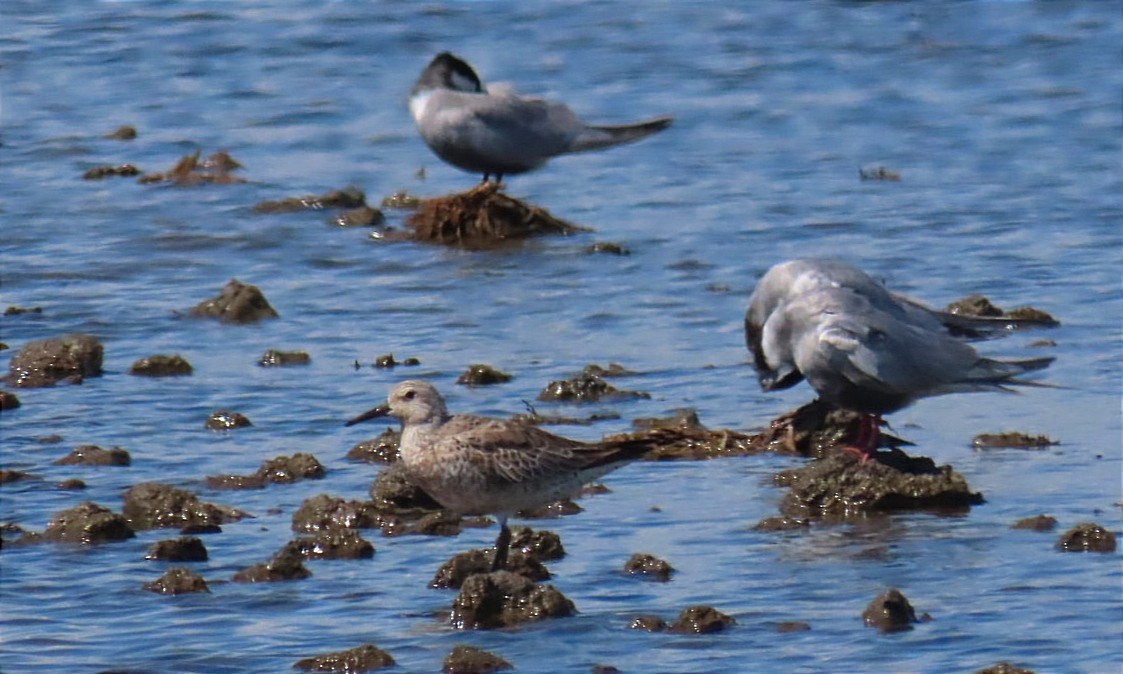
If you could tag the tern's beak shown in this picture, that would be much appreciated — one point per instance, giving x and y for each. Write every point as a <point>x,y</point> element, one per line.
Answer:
<point>382,410</point>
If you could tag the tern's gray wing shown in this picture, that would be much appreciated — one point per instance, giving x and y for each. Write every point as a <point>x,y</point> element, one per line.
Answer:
<point>497,133</point>
<point>859,357</point>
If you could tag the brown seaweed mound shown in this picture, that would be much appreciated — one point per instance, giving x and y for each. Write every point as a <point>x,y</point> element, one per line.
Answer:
<point>481,217</point>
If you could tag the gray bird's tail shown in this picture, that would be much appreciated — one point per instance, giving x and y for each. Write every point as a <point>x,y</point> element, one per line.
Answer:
<point>597,137</point>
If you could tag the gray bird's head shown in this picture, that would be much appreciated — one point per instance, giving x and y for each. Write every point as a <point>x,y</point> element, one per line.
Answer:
<point>446,71</point>
<point>411,401</point>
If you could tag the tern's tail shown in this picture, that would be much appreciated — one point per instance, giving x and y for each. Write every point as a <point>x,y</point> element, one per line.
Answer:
<point>596,137</point>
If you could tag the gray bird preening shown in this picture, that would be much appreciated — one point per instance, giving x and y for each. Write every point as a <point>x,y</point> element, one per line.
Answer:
<point>497,133</point>
<point>483,466</point>
<point>863,348</point>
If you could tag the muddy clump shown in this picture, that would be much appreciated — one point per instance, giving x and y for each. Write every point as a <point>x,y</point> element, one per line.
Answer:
<point>327,513</point>
<point>8,476</point>
<point>1087,537</point>
<point>125,132</point>
<point>331,544</point>
<point>585,387</point>
<point>362,216</point>
<point>841,486</point>
<point>285,565</point>
<point>878,173</point>
<point>348,197</point>
<point>278,470</point>
<point>482,217</point>
<point>392,490</point>
<point>1036,523</point>
<point>46,362</point>
<point>162,366</point>
<point>275,358</point>
<point>781,523</point>
<point>400,201</point>
<point>542,545</point>
<point>1004,668</point>
<point>182,549</point>
<point>981,307</point>
<point>479,374</point>
<point>8,400</point>
<point>92,455</point>
<point>365,658</point>
<point>472,660</point>
<point>387,360</point>
<point>151,505</point>
<point>381,449</point>
<point>464,565</point>
<point>504,599</point>
<point>225,420</point>
<point>100,172</point>
<point>87,523</point>
<point>648,623</point>
<point>72,484</point>
<point>890,611</point>
<point>648,567</point>
<point>237,303</point>
<point>606,248</point>
<point>701,620</point>
<point>178,580</point>
<point>1013,439</point>
<point>216,169</point>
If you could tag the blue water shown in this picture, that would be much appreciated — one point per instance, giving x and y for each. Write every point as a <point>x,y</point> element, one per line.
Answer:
<point>1003,119</point>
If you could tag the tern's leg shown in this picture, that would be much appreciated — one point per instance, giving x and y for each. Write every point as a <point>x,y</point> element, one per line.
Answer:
<point>869,437</point>
<point>502,544</point>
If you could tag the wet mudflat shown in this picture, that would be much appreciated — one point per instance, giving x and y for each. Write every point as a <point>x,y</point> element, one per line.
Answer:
<point>951,149</point>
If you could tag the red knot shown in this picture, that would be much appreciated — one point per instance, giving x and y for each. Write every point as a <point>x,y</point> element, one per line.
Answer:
<point>484,466</point>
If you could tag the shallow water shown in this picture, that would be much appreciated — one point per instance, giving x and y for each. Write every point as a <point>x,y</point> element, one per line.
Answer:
<point>1002,117</point>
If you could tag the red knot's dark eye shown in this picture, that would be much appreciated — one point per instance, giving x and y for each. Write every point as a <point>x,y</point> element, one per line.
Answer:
<point>410,394</point>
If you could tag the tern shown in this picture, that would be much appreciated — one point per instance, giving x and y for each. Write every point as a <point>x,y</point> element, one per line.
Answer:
<point>497,133</point>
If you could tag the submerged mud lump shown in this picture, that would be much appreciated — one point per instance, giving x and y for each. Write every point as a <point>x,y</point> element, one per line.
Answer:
<point>278,470</point>
<point>380,449</point>
<point>99,172</point>
<point>1004,668</point>
<point>87,523</point>
<point>162,366</point>
<point>1012,440</point>
<point>1087,537</point>
<point>92,455</point>
<point>890,611</point>
<point>978,305</point>
<point>648,567</point>
<point>224,420</point>
<point>216,169</point>
<point>585,387</point>
<point>237,302</point>
<point>151,505</point>
<point>348,197</point>
<point>701,620</point>
<point>324,513</point>
<point>48,361</point>
<point>178,580</point>
<point>504,599</point>
<point>464,565</point>
<point>277,358</point>
<point>479,218</point>
<point>471,660</point>
<point>542,545</point>
<point>331,544</point>
<point>285,565</point>
<point>8,400</point>
<point>479,374</point>
<point>842,486</point>
<point>1036,523</point>
<point>365,658</point>
<point>182,549</point>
